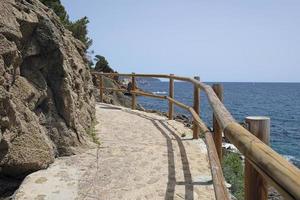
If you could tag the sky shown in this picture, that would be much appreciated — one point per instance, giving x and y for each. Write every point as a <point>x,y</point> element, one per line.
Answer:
<point>232,40</point>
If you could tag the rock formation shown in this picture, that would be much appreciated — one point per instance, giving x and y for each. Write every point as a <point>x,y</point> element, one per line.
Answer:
<point>112,97</point>
<point>46,90</point>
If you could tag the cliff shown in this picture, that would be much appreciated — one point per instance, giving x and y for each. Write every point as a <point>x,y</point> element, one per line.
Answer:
<point>46,89</point>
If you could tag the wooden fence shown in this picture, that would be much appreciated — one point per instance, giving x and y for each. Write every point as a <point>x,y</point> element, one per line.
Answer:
<point>272,167</point>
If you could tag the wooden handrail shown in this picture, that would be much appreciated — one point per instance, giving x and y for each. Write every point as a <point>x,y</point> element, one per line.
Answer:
<point>220,189</point>
<point>146,94</point>
<point>177,103</point>
<point>179,78</point>
<point>218,89</point>
<point>281,174</point>
<point>285,175</point>
<point>196,108</point>
<point>171,95</point>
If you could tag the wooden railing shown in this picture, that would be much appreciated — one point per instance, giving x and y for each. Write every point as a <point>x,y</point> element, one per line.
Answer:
<point>274,169</point>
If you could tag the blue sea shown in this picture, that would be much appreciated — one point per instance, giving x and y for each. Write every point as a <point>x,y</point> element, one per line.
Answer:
<point>279,101</point>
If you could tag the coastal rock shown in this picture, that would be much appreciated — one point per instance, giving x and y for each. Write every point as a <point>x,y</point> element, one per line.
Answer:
<point>46,90</point>
<point>111,97</point>
<point>184,119</point>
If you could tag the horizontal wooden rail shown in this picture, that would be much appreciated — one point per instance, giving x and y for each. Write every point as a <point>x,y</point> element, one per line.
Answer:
<point>149,94</point>
<point>220,189</point>
<point>136,92</point>
<point>284,174</point>
<point>178,78</point>
<point>281,174</point>
<point>177,103</point>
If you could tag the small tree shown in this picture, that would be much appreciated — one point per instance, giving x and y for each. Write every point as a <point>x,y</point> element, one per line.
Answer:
<point>58,8</point>
<point>78,28</point>
<point>102,64</point>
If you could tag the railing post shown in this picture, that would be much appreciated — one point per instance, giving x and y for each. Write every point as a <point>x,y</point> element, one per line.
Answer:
<point>218,88</point>
<point>133,95</point>
<point>255,185</point>
<point>101,87</point>
<point>171,94</point>
<point>196,108</point>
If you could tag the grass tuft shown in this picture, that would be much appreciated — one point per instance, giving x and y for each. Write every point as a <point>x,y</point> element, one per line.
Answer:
<point>91,131</point>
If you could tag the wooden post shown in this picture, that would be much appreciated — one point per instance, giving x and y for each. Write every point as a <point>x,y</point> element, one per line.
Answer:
<point>218,88</point>
<point>196,108</point>
<point>171,95</point>
<point>101,88</point>
<point>133,96</point>
<point>255,185</point>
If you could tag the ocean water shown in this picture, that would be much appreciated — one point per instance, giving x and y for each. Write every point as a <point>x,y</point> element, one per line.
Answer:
<point>279,101</point>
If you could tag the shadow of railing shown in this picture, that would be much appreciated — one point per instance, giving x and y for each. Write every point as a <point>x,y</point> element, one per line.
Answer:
<point>188,183</point>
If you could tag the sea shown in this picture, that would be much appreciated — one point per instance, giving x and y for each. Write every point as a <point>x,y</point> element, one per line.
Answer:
<point>279,101</point>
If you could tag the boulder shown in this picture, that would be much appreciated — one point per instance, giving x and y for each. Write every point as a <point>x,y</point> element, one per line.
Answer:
<point>46,89</point>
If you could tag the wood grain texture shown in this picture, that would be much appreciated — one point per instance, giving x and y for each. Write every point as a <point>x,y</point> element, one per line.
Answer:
<point>256,186</point>
<point>223,116</point>
<point>218,89</point>
<point>171,95</point>
<point>221,192</point>
<point>196,108</point>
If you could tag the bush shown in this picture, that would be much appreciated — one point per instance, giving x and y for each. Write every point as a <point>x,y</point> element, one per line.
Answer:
<point>233,170</point>
<point>102,64</point>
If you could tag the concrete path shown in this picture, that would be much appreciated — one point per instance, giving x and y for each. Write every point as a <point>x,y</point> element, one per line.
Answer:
<point>142,156</point>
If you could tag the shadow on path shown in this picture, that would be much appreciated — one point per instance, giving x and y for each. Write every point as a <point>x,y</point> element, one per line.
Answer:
<point>188,182</point>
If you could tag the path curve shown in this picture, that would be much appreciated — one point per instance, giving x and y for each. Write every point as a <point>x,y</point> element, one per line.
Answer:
<point>142,156</point>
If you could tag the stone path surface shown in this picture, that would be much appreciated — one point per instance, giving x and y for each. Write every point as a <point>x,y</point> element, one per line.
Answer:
<point>141,156</point>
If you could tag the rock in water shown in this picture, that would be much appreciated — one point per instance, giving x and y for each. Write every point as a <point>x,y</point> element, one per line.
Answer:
<point>46,91</point>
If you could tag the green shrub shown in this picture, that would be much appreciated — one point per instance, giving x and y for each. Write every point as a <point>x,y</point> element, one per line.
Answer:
<point>91,131</point>
<point>102,64</point>
<point>233,170</point>
<point>78,27</point>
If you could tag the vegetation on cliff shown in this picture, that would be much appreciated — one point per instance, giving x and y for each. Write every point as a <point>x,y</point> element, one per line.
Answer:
<point>78,27</point>
<point>102,64</point>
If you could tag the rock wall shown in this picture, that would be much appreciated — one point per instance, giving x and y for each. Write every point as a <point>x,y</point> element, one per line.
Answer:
<point>112,97</point>
<point>46,90</point>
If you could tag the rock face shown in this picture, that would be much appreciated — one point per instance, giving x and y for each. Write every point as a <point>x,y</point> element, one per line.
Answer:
<point>46,90</point>
<point>111,97</point>
<point>115,98</point>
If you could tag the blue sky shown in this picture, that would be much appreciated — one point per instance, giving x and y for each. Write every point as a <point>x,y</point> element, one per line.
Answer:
<point>257,40</point>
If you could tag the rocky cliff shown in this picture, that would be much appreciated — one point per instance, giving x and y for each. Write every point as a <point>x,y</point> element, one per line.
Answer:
<point>46,90</point>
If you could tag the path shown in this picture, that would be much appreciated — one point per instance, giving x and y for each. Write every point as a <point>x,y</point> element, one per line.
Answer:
<point>142,156</point>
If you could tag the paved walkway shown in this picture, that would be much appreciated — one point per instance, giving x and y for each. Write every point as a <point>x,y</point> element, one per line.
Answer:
<point>142,156</point>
